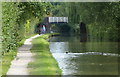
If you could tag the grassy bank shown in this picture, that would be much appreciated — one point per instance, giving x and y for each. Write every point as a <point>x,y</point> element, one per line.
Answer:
<point>9,56</point>
<point>6,61</point>
<point>44,63</point>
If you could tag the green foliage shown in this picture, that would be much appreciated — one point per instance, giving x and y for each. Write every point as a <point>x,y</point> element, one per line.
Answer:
<point>6,61</point>
<point>18,20</point>
<point>9,26</point>
<point>102,18</point>
<point>27,26</point>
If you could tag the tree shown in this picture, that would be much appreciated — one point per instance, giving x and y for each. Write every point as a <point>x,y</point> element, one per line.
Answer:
<point>101,18</point>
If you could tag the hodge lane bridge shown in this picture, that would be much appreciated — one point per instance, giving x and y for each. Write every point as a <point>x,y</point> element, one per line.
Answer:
<point>53,20</point>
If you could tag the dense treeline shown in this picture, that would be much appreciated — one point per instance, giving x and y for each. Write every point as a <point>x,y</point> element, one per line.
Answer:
<point>101,18</point>
<point>18,20</point>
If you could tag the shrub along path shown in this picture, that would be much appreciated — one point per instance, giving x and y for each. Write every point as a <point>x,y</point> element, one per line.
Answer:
<point>24,56</point>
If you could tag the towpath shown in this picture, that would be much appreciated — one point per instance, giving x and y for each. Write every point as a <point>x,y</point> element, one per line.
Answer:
<point>24,56</point>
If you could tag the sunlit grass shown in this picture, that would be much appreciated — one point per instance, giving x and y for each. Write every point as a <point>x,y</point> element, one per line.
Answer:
<point>26,37</point>
<point>6,61</point>
<point>9,56</point>
<point>44,63</point>
<point>0,63</point>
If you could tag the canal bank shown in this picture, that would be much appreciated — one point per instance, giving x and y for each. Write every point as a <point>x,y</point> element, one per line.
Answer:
<point>8,57</point>
<point>24,56</point>
<point>85,58</point>
<point>44,63</point>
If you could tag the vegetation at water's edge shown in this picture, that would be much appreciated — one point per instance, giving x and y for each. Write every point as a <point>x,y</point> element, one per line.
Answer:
<point>44,63</point>
<point>102,19</point>
<point>19,19</point>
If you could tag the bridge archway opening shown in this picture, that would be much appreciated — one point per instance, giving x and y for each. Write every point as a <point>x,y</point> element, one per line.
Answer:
<point>60,24</point>
<point>55,22</point>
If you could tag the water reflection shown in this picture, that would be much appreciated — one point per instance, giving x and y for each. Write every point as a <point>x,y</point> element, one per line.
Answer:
<point>90,58</point>
<point>72,64</point>
<point>60,47</point>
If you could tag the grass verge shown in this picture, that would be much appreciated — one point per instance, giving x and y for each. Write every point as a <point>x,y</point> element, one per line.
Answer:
<point>26,37</point>
<point>6,61</point>
<point>44,63</point>
<point>9,56</point>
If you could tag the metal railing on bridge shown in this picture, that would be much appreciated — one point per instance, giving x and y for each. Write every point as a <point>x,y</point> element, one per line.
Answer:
<point>58,19</point>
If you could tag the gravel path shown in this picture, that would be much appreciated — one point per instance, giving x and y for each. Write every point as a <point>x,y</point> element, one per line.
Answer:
<point>24,56</point>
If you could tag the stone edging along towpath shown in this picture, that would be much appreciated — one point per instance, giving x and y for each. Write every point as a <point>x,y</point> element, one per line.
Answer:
<point>24,56</point>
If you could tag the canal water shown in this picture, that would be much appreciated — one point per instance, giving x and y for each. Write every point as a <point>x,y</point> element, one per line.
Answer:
<point>85,58</point>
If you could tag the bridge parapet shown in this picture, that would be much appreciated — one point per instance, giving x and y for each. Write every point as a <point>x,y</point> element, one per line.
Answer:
<point>58,19</point>
<point>52,20</point>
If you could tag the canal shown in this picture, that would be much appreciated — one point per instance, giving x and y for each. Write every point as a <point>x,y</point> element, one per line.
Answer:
<point>84,58</point>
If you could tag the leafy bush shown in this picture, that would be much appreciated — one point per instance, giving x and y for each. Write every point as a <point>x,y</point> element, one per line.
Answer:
<point>18,20</point>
